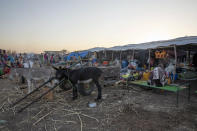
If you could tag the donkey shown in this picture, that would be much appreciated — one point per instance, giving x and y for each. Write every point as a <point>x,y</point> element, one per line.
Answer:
<point>81,75</point>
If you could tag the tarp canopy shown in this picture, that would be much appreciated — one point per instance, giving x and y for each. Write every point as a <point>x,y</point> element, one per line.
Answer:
<point>77,55</point>
<point>96,49</point>
<point>181,41</point>
<point>192,40</point>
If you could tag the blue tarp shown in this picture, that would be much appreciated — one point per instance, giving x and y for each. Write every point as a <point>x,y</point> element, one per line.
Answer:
<point>81,54</point>
<point>11,58</point>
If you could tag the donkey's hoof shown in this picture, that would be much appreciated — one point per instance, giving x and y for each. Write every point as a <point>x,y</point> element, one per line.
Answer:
<point>75,97</point>
<point>98,100</point>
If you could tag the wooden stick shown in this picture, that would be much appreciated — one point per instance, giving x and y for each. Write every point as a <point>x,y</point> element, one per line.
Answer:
<point>4,99</point>
<point>133,53</point>
<point>41,95</point>
<point>70,114</point>
<point>149,60</point>
<point>37,113</point>
<point>55,127</point>
<point>1,127</point>
<point>90,117</point>
<point>80,122</point>
<point>81,114</point>
<point>18,101</point>
<point>189,56</point>
<point>45,127</point>
<point>135,111</point>
<point>74,122</point>
<point>175,55</point>
<point>2,105</point>
<point>42,117</point>
<point>112,55</point>
<point>120,55</point>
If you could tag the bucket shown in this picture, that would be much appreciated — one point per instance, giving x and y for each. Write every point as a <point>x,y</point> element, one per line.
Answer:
<point>146,76</point>
<point>91,105</point>
<point>105,62</point>
<point>169,80</point>
<point>124,64</point>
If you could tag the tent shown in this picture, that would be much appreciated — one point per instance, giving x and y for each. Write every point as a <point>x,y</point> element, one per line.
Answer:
<point>77,55</point>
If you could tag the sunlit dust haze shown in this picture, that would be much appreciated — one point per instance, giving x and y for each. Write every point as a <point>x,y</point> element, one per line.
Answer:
<point>39,25</point>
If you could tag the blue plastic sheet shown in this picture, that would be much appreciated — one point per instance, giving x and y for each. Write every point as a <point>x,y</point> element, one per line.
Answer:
<point>76,55</point>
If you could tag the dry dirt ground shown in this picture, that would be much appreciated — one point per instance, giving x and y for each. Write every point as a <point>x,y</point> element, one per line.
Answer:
<point>121,109</point>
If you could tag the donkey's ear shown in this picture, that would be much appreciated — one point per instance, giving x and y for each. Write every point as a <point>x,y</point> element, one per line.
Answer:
<point>55,68</point>
<point>64,68</point>
<point>60,67</point>
<point>67,69</point>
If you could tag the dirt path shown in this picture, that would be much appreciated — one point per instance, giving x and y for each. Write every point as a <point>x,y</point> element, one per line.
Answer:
<point>120,110</point>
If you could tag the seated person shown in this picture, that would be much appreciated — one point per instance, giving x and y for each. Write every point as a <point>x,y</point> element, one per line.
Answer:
<point>5,70</point>
<point>157,77</point>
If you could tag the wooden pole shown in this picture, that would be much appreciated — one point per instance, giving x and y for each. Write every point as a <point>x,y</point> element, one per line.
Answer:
<point>149,59</point>
<point>189,57</point>
<point>175,55</point>
<point>120,59</point>
<point>133,54</point>
<point>112,55</point>
<point>120,55</point>
<point>98,56</point>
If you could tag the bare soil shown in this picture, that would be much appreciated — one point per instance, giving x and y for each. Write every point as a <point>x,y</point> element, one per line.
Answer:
<point>133,109</point>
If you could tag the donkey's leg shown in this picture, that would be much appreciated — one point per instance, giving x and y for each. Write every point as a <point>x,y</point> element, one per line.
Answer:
<point>99,90</point>
<point>75,92</point>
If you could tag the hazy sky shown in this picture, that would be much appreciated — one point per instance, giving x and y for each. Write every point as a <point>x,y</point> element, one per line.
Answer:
<point>38,25</point>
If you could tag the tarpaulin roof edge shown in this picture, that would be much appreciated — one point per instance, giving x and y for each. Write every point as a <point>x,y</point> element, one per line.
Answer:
<point>192,40</point>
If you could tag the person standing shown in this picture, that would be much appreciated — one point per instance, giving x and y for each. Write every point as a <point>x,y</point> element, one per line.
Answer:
<point>51,59</point>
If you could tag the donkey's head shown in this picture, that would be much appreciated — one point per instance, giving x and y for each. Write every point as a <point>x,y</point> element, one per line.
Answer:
<point>61,73</point>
